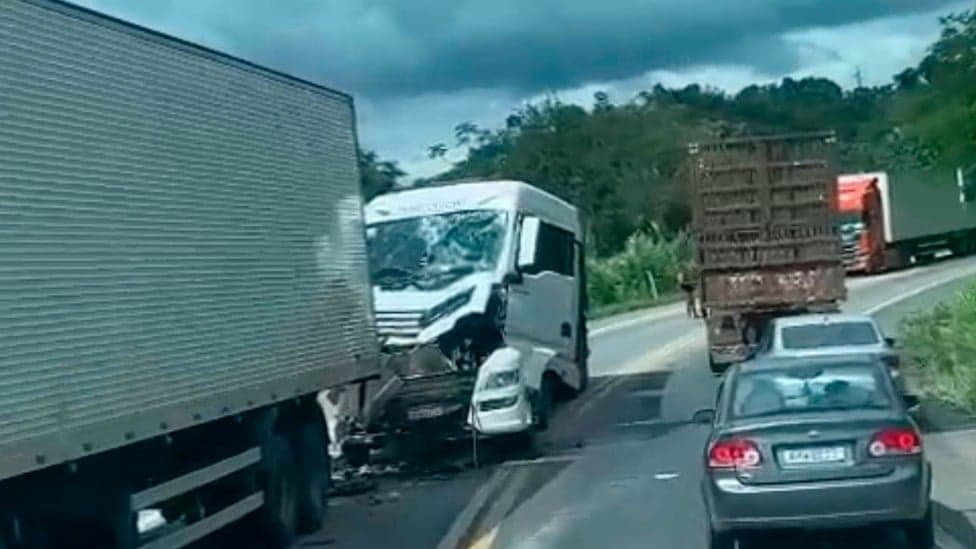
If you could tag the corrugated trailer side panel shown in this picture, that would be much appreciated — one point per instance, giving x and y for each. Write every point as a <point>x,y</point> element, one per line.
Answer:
<point>925,203</point>
<point>763,215</point>
<point>181,236</point>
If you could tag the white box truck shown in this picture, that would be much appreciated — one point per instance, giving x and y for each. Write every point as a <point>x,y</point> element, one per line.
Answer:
<point>183,273</point>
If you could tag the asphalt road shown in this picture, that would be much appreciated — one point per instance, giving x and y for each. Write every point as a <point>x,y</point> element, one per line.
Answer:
<point>620,466</point>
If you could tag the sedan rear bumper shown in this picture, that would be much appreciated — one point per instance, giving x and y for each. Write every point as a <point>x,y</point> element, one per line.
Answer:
<point>901,495</point>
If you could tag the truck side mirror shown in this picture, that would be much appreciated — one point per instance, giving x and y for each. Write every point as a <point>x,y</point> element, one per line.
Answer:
<point>890,342</point>
<point>528,238</point>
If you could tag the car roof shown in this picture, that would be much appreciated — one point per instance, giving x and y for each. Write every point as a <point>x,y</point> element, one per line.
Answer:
<point>777,363</point>
<point>823,318</point>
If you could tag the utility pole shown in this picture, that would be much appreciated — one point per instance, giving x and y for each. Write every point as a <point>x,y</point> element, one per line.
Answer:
<point>858,77</point>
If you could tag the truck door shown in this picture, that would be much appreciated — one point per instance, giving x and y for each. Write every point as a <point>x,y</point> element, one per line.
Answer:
<point>542,307</point>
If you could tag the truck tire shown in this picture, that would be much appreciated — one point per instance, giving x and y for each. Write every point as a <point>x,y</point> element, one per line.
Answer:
<point>315,471</point>
<point>277,519</point>
<point>123,521</point>
<point>543,403</point>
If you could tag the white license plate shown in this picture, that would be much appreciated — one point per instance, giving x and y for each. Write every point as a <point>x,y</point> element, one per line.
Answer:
<point>425,412</point>
<point>813,456</point>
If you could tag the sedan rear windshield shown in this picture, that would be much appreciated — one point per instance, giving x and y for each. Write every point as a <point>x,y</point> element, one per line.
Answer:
<point>809,388</point>
<point>811,336</point>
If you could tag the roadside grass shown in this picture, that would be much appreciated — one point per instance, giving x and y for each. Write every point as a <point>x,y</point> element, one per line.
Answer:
<point>643,274</point>
<point>941,346</point>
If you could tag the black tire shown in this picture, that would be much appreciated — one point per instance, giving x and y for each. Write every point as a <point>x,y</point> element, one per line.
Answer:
<point>920,534</point>
<point>278,517</point>
<point>543,403</point>
<point>717,368</point>
<point>315,471</point>
<point>721,540</point>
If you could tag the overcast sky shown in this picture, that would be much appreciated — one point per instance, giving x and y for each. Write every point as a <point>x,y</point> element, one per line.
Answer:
<point>419,67</point>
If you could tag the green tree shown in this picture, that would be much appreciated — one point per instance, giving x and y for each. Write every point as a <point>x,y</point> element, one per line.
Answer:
<point>377,176</point>
<point>624,165</point>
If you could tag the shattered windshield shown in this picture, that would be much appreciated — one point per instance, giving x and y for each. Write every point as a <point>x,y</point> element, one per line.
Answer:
<point>433,251</point>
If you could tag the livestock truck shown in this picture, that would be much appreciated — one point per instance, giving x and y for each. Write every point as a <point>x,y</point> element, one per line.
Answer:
<point>889,220</point>
<point>765,240</point>
<point>184,273</point>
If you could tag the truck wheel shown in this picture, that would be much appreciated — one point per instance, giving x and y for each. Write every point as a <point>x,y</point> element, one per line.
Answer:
<point>316,474</point>
<point>278,517</point>
<point>543,403</point>
<point>721,540</point>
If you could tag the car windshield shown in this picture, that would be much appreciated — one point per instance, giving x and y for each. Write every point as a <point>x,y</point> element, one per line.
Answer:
<point>809,388</point>
<point>432,251</point>
<point>812,336</point>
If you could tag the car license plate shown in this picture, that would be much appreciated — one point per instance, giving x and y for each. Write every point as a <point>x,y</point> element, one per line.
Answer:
<point>425,412</point>
<point>813,456</point>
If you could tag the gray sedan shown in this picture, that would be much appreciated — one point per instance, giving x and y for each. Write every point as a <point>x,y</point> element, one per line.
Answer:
<point>816,443</point>
<point>830,334</point>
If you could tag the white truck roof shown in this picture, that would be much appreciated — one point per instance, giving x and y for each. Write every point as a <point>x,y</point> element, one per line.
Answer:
<point>489,194</point>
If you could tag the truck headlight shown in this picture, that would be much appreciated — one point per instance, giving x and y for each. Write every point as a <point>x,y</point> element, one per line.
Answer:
<point>500,380</point>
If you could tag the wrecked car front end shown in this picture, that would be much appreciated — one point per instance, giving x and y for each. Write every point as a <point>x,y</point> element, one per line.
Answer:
<point>453,368</point>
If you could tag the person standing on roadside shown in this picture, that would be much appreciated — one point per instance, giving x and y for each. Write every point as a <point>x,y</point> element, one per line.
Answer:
<point>688,281</point>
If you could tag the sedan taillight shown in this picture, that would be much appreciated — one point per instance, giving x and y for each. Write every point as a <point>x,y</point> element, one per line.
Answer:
<point>895,442</point>
<point>733,453</point>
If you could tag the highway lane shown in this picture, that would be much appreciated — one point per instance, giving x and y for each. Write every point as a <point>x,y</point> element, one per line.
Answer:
<point>620,466</point>
<point>624,465</point>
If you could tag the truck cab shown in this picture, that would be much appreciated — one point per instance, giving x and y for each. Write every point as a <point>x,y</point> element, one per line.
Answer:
<point>479,289</point>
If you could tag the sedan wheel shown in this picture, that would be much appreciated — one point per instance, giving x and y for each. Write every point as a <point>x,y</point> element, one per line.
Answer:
<point>921,534</point>
<point>721,540</point>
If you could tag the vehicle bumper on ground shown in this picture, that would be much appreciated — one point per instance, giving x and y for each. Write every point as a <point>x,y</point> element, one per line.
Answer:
<point>501,412</point>
<point>898,496</point>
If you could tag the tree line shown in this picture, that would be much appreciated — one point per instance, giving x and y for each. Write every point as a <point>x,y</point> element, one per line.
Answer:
<point>624,164</point>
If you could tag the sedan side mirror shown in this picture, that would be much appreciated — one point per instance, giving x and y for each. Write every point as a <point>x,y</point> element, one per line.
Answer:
<point>890,341</point>
<point>912,402</point>
<point>703,417</point>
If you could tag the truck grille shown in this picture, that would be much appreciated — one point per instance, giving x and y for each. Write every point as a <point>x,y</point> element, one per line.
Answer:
<point>849,253</point>
<point>398,323</point>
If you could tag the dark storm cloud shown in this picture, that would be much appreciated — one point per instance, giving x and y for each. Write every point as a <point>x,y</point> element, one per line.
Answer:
<point>406,47</point>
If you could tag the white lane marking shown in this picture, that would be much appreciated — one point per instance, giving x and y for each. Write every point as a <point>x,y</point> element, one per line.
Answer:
<point>919,290</point>
<point>551,459</point>
<point>502,505</point>
<point>664,311</point>
<point>463,522</point>
<point>655,359</point>
<point>666,476</point>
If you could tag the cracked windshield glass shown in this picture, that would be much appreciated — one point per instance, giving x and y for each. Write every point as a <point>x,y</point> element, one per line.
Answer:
<point>665,274</point>
<point>432,251</point>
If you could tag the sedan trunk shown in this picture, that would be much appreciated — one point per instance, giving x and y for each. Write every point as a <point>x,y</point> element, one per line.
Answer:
<point>821,448</point>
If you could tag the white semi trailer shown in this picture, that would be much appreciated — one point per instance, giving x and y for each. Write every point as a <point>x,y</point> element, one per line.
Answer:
<point>183,272</point>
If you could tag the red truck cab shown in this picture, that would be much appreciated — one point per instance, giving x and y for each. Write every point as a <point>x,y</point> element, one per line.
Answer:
<point>854,197</point>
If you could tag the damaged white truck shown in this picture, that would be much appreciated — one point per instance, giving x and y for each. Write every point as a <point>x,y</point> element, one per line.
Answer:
<point>479,297</point>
